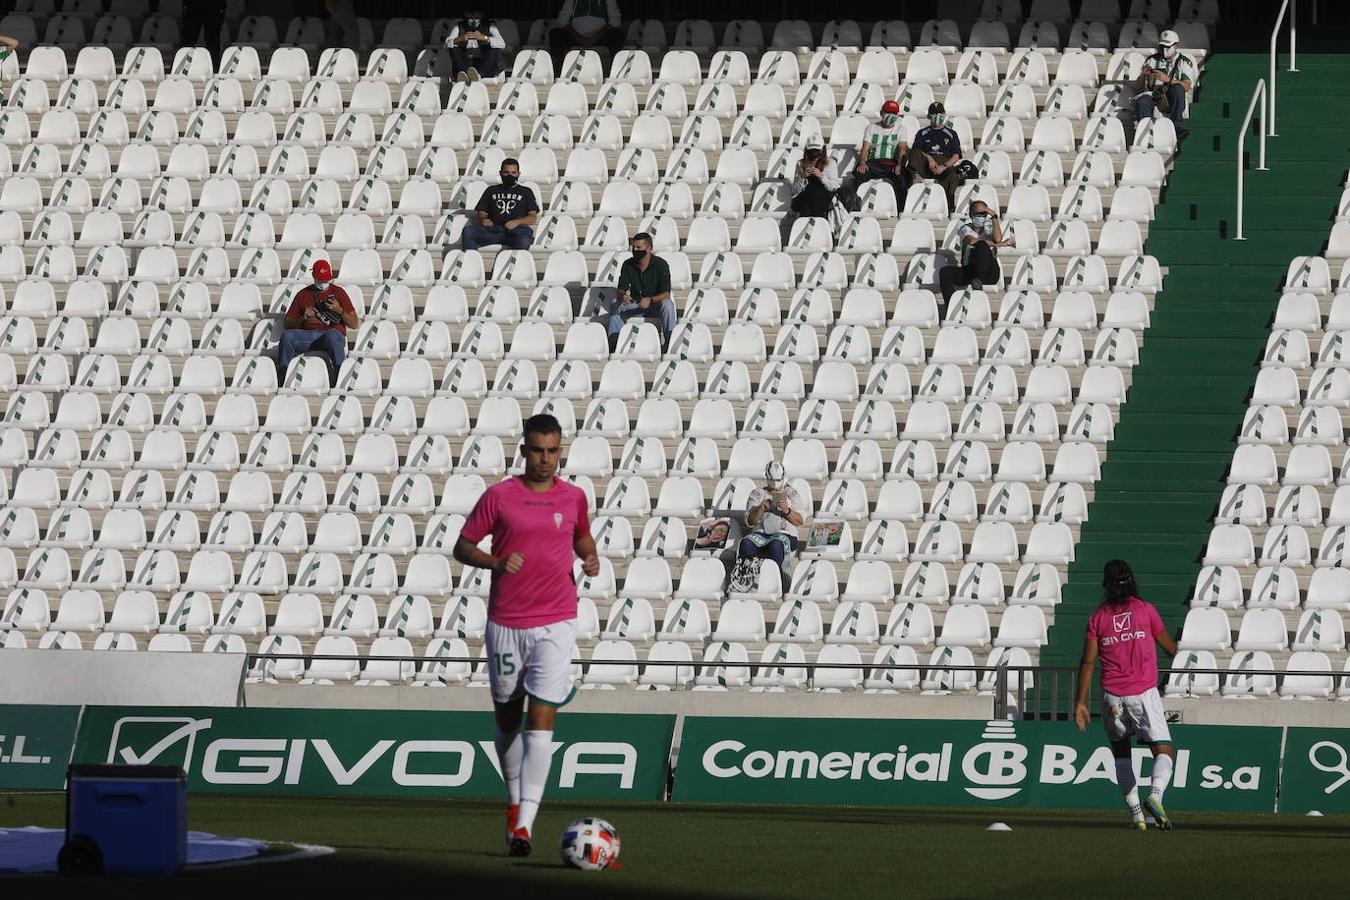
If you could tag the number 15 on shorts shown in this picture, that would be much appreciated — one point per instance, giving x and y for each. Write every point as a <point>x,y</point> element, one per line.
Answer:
<point>505,664</point>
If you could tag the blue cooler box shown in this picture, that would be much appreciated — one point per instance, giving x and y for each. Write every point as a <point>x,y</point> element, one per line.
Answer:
<point>133,817</point>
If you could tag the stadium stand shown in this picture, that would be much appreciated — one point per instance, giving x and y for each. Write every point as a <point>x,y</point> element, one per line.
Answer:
<point>162,490</point>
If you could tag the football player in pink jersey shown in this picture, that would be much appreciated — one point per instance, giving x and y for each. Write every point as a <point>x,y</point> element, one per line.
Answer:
<point>1122,632</point>
<point>538,522</point>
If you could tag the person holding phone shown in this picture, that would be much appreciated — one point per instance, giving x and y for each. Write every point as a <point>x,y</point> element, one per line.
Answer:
<point>814,187</point>
<point>317,319</point>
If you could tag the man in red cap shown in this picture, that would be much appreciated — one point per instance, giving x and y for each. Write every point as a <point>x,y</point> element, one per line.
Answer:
<point>318,319</point>
<point>882,151</point>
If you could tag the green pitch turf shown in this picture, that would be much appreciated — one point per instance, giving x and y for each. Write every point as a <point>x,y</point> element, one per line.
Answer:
<point>394,850</point>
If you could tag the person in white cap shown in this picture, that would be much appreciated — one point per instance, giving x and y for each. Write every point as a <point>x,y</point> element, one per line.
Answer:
<point>1164,81</point>
<point>772,514</point>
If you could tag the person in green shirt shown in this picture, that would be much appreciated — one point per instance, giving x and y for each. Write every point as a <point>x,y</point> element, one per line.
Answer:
<point>644,290</point>
<point>8,47</point>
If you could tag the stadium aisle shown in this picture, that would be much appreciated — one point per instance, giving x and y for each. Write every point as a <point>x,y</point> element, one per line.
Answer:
<point>1165,472</point>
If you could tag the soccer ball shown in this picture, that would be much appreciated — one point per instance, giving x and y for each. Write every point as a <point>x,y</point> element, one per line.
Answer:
<point>590,844</point>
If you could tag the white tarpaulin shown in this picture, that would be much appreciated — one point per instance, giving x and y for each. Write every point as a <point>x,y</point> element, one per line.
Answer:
<point>111,678</point>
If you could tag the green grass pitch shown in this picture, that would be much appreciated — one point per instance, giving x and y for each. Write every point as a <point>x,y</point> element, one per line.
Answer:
<point>388,848</point>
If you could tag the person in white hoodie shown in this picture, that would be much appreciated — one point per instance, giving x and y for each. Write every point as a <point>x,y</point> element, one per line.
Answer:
<point>816,181</point>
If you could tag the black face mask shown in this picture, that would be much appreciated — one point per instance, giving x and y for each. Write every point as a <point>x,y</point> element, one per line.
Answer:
<point>639,254</point>
<point>510,180</point>
<point>473,23</point>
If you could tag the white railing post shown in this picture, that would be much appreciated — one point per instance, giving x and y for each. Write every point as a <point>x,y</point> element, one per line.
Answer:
<point>1258,94</point>
<point>1293,51</point>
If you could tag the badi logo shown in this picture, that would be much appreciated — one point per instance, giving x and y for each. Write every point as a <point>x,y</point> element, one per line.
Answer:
<point>155,740</point>
<point>16,754</point>
<point>997,766</point>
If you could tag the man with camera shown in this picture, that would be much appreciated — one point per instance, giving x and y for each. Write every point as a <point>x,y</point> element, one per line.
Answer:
<point>1164,81</point>
<point>772,515</point>
<point>318,319</point>
<point>813,188</point>
<point>981,235</point>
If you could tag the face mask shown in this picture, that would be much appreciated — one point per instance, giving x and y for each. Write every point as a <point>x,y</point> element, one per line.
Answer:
<point>980,220</point>
<point>938,121</point>
<point>473,23</point>
<point>888,119</point>
<point>1169,52</point>
<point>321,286</point>
<point>638,254</point>
<point>510,180</point>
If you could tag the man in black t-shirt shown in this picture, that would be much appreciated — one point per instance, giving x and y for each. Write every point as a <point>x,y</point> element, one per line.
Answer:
<point>935,153</point>
<point>506,214</point>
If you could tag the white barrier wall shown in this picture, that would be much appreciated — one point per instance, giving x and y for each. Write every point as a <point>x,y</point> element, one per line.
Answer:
<point>108,678</point>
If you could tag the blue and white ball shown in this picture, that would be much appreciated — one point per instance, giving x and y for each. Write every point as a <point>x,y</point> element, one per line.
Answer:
<point>590,844</point>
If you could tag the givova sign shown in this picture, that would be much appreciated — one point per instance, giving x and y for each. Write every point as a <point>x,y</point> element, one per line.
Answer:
<point>374,752</point>
<point>908,762</point>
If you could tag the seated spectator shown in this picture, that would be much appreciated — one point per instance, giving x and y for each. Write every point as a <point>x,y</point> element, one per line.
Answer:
<point>8,46</point>
<point>584,25</point>
<point>644,291</point>
<point>506,212</point>
<point>814,187</point>
<point>772,516</point>
<point>936,153</point>
<point>203,18</point>
<point>475,44</point>
<point>318,319</point>
<point>882,151</point>
<point>981,235</point>
<point>1164,81</point>
<point>342,28</point>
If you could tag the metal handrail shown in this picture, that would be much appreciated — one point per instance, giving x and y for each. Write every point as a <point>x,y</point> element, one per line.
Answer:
<point>1293,52</point>
<point>1258,94</point>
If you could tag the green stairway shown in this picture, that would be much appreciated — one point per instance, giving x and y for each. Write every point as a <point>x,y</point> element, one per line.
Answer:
<point>1164,472</point>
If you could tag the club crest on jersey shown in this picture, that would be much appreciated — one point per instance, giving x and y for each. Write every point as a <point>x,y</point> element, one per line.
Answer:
<point>557,520</point>
<point>1122,621</point>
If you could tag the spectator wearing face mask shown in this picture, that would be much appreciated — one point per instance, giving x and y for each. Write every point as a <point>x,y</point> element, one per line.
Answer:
<point>936,153</point>
<point>644,291</point>
<point>1164,81</point>
<point>318,319</point>
<point>585,25</point>
<point>816,182</point>
<point>506,212</point>
<point>475,44</point>
<point>981,235</point>
<point>882,152</point>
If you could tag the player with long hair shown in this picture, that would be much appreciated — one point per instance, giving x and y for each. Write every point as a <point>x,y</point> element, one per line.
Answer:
<point>1122,632</point>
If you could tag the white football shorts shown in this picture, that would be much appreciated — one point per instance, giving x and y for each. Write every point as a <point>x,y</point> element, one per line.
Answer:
<point>532,661</point>
<point>1139,716</point>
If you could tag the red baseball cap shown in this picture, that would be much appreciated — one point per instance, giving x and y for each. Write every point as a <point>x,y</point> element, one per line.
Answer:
<point>891,107</point>
<point>323,270</point>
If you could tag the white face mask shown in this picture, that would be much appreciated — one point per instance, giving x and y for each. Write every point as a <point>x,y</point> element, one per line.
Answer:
<point>979,220</point>
<point>1169,53</point>
<point>888,119</point>
<point>938,121</point>
<point>322,285</point>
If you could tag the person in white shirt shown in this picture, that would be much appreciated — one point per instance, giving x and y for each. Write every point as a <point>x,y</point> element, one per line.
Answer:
<point>980,235</point>
<point>585,24</point>
<point>883,151</point>
<point>772,515</point>
<point>1164,81</point>
<point>475,44</point>
<point>815,183</point>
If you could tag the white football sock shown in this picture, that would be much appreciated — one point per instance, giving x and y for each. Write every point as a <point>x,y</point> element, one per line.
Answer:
<point>534,775</point>
<point>1162,773</point>
<point>510,750</point>
<point>1129,787</point>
